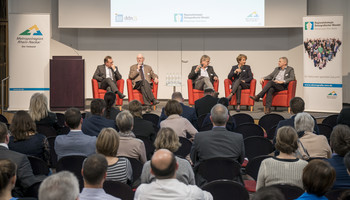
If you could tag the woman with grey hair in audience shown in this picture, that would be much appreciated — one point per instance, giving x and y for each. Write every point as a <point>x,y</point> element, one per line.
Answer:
<point>168,139</point>
<point>129,145</point>
<point>310,145</point>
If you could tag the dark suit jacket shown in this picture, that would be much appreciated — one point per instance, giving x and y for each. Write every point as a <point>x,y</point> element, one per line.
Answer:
<point>245,75</point>
<point>217,143</point>
<point>288,76</point>
<point>193,75</point>
<point>205,104</point>
<point>94,124</point>
<point>100,74</point>
<point>25,176</point>
<point>187,112</point>
<point>344,117</point>
<point>144,129</point>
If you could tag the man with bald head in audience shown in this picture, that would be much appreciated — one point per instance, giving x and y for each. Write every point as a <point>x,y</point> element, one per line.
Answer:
<point>216,143</point>
<point>166,186</point>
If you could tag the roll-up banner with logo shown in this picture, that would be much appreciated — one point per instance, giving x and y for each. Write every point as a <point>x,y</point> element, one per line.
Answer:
<point>323,51</point>
<point>29,54</point>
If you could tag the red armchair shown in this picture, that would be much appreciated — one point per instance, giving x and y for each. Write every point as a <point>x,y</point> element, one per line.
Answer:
<point>194,94</point>
<point>136,94</point>
<point>282,98</point>
<point>245,100</point>
<point>100,93</point>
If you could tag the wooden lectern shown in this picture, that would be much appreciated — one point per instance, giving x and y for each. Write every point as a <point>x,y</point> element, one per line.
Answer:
<point>67,83</point>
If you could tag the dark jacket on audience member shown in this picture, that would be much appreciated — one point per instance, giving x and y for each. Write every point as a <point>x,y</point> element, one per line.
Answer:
<point>187,112</point>
<point>94,124</point>
<point>205,104</point>
<point>144,129</point>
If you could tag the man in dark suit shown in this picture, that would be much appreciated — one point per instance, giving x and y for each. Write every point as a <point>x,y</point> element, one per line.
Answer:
<point>204,104</point>
<point>187,112</point>
<point>216,143</point>
<point>203,75</point>
<point>94,124</point>
<point>141,76</point>
<point>107,76</point>
<point>279,79</point>
<point>25,176</point>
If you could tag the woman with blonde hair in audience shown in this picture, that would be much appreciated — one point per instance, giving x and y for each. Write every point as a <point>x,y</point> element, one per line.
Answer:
<point>340,143</point>
<point>40,113</point>
<point>119,168</point>
<point>310,144</point>
<point>24,138</point>
<point>318,178</point>
<point>129,145</point>
<point>180,125</point>
<point>7,179</point>
<point>167,139</point>
<point>285,168</point>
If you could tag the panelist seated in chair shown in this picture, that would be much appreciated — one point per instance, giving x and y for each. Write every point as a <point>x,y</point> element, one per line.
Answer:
<point>203,75</point>
<point>141,75</point>
<point>107,76</point>
<point>242,75</point>
<point>279,79</point>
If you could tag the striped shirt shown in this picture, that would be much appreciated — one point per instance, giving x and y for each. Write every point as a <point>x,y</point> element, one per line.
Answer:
<point>120,171</point>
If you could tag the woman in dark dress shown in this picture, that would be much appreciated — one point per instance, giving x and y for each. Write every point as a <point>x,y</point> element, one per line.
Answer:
<point>24,138</point>
<point>241,75</point>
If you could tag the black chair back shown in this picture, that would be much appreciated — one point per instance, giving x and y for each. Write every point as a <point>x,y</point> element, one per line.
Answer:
<point>39,166</point>
<point>271,132</point>
<point>53,155</point>
<point>335,194</point>
<point>152,118</point>
<point>200,120</point>
<point>63,129</point>
<point>270,120</point>
<point>73,164</point>
<point>220,168</point>
<point>248,130</point>
<point>185,147</point>
<point>257,146</point>
<point>243,118</point>
<point>226,190</point>
<point>46,130</point>
<point>136,168</point>
<point>118,189</point>
<point>149,147</point>
<point>252,168</point>
<point>290,192</point>
<point>331,120</point>
<point>325,130</point>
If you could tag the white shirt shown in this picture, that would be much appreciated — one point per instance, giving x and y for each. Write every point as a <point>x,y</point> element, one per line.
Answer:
<point>170,189</point>
<point>204,72</point>
<point>109,73</point>
<point>4,145</point>
<point>280,75</point>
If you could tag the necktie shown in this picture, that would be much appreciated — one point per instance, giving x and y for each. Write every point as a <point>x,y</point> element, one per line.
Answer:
<point>141,73</point>
<point>111,73</point>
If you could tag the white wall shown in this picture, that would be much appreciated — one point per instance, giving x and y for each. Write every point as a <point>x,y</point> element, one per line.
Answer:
<point>165,49</point>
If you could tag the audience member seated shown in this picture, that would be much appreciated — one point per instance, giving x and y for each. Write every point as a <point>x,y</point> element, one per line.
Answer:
<point>7,179</point>
<point>187,112</point>
<point>167,139</point>
<point>129,145</point>
<point>119,169</point>
<point>142,128</point>
<point>25,176</point>
<point>344,117</point>
<point>95,123</point>
<point>297,105</point>
<point>340,143</point>
<point>310,144</point>
<point>110,112</point>
<point>94,172</point>
<point>216,143</point>
<point>268,193</point>
<point>40,113</point>
<point>318,178</point>
<point>231,123</point>
<point>204,104</point>
<point>166,186</point>
<point>179,124</point>
<point>63,185</point>
<point>75,142</point>
<point>284,168</point>
<point>25,139</point>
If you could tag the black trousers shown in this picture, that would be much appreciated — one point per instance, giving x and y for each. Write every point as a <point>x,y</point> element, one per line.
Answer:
<point>270,88</point>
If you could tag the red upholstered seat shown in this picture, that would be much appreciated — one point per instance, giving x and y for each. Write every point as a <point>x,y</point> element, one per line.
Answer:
<point>136,94</point>
<point>194,94</point>
<point>282,98</point>
<point>100,93</point>
<point>245,100</point>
